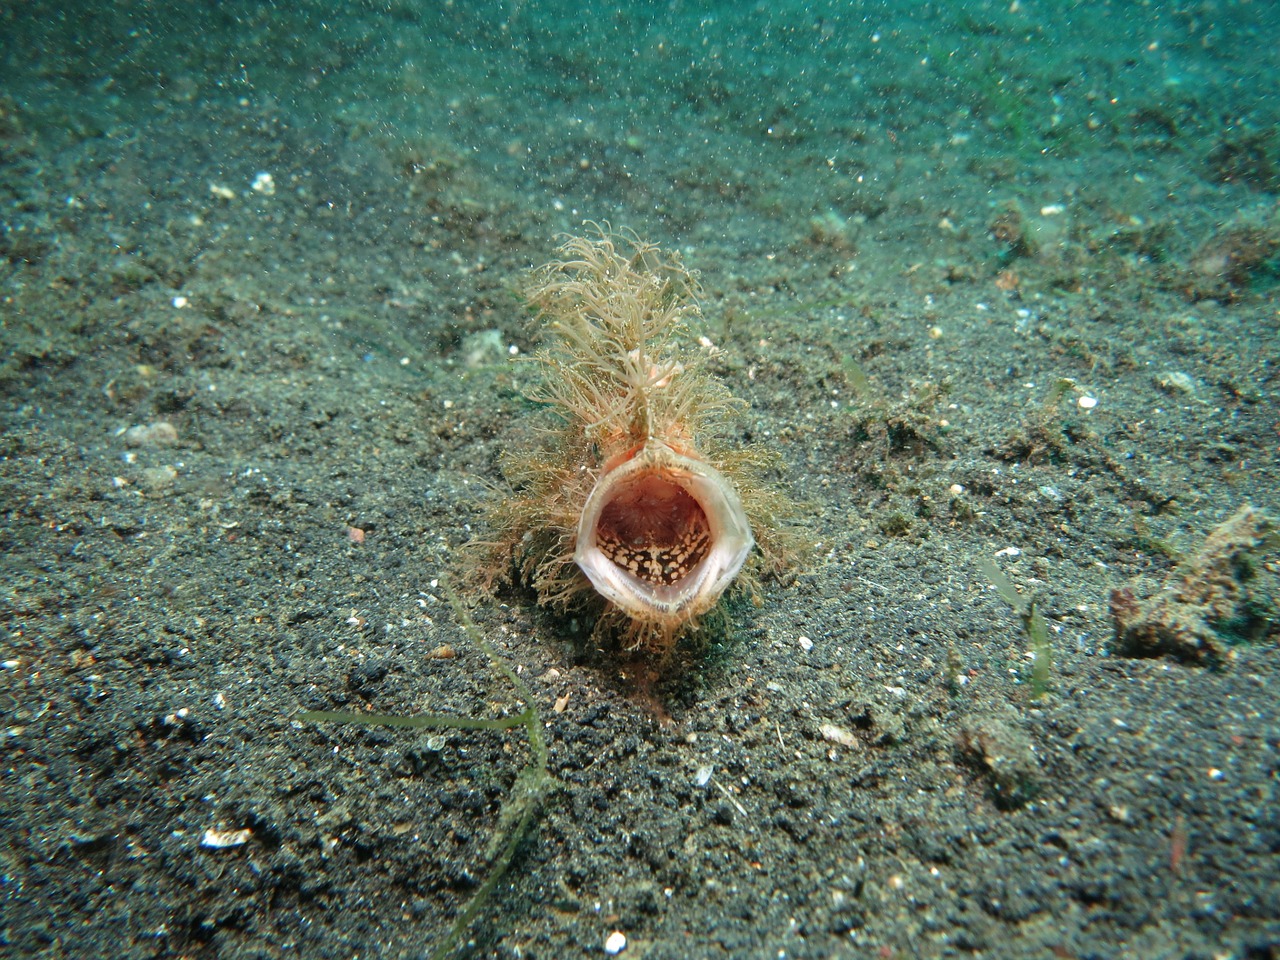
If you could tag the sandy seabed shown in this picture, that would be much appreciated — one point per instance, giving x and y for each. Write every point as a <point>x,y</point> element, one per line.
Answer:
<point>997,283</point>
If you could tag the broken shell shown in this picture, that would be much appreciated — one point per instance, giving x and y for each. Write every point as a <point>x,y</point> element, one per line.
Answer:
<point>221,839</point>
<point>662,535</point>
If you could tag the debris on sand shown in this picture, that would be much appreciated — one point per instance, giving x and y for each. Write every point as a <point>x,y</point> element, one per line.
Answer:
<point>1222,595</point>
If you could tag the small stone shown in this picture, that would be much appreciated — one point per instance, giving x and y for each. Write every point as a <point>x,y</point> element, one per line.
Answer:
<point>1002,750</point>
<point>615,943</point>
<point>156,479</point>
<point>722,814</point>
<point>805,644</point>
<point>162,433</point>
<point>1175,382</point>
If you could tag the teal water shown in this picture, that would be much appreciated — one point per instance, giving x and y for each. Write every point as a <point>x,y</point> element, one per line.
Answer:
<point>696,118</point>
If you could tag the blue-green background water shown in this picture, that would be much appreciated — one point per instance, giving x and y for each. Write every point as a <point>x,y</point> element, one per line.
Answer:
<point>698,116</point>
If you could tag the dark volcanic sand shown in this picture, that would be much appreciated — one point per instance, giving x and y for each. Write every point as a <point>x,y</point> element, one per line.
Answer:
<point>286,244</point>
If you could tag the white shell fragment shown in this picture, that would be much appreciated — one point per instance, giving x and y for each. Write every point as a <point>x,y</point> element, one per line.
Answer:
<point>838,735</point>
<point>615,943</point>
<point>221,839</point>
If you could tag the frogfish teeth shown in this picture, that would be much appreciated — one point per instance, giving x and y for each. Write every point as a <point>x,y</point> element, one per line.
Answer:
<point>662,535</point>
<point>627,498</point>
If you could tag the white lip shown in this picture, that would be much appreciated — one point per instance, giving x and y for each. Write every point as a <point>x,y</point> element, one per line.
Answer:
<point>700,588</point>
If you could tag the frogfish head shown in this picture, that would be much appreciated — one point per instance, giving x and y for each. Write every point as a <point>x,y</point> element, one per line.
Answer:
<point>662,534</point>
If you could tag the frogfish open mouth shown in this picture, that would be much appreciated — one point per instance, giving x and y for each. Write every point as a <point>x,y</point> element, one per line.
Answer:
<point>632,496</point>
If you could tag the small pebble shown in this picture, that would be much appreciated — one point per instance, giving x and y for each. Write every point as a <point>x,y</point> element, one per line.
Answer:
<point>615,943</point>
<point>805,644</point>
<point>1175,381</point>
<point>156,479</point>
<point>162,433</point>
